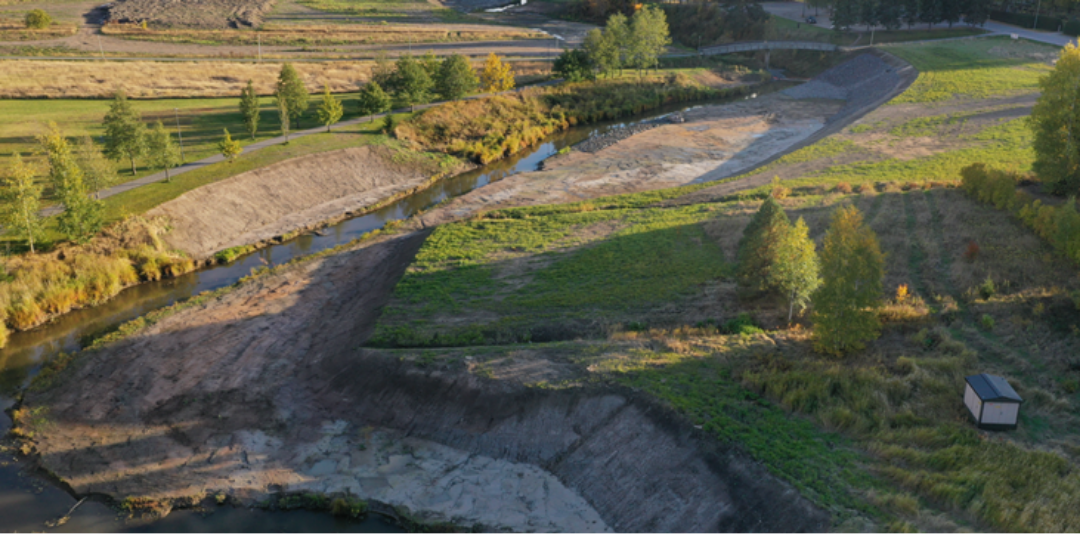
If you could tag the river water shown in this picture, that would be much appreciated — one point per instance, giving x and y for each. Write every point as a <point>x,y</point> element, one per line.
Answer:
<point>28,501</point>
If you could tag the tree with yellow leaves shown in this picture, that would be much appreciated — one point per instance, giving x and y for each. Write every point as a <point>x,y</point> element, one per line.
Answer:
<point>496,75</point>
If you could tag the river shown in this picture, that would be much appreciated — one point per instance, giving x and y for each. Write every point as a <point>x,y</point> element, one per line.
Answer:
<point>28,501</point>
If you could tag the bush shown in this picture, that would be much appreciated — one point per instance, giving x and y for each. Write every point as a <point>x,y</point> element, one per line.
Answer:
<point>843,188</point>
<point>987,289</point>
<point>743,324</point>
<point>38,19</point>
<point>1072,27</point>
<point>986,322</point>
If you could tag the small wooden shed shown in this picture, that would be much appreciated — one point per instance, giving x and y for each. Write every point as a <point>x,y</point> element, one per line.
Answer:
<point>992,402</point>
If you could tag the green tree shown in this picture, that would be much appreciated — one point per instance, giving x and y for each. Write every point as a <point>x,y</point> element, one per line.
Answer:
<point>794,272</point>
<point>98,173</point>
<point>383,71</point>
<point>497,76</point>
<point>283,116</point>
<point>373,100</point>
<point>1055,120</point>
<point>618,31</point>
<point>852,268</point>
<point>649,37</point>
<point>164,154</point>
<point>229,148</point>
<point>249,109</point>
<point>574,66</point>
<point>82,215</point>
<point>22,200</point>
<point>330,110</point>
<point>37,19</point>
<point>125,133</point>
<point>431,64</point>
<point>603,51</point>
<point>412,85</point>
<point>757,247</point>
<point>291,89</point>
<point>456,78</point>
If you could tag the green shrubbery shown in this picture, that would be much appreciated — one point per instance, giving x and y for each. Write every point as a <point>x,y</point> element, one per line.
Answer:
<point>38,19</point>
<point>488,129</point>
<point>1059,225</point>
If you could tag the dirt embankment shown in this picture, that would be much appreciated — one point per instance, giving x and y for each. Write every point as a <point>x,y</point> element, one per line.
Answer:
<point>266,390</point>
<point>191,13</point>
<point>301,193</point>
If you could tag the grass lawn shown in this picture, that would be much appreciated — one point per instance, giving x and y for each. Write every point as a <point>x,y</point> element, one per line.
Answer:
<point>783,28</point>
<point>201,121</point>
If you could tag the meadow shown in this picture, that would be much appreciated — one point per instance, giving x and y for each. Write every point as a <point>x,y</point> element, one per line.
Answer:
<point>638,290</point>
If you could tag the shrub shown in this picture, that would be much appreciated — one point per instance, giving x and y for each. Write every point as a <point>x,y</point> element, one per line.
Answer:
<point>38,19</point>
<point>986,322</point>
<point>743,324</point>
<point>987,289</point>
<point>843,188</point>
<point>972,251</point>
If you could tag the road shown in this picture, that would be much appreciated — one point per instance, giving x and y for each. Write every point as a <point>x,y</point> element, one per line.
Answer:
<point>794,11</point>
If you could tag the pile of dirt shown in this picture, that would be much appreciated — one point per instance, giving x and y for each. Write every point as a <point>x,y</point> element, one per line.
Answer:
<point>296,194</point>
<point>265,390</point>
<point>191,13</point>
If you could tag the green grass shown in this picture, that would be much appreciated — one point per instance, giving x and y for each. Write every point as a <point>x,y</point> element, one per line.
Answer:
<point>662,255</point>
<point>783,28</point>
<point>201,121</point>
<point>976,68</point>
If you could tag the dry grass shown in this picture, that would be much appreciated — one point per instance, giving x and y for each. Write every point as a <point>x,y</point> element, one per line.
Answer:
<point>15,30</point>
<point>149,79</point>
<point>335,34</point>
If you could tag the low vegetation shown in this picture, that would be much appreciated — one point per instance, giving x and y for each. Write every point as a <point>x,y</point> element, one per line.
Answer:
<point>323,35</point>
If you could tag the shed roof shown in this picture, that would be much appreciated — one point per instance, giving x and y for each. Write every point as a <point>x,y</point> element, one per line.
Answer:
<point>992,388</point>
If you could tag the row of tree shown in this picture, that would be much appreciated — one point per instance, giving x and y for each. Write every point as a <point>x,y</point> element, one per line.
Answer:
<point>843,284</point>
<point>634,42</point>
<point>894,14</point>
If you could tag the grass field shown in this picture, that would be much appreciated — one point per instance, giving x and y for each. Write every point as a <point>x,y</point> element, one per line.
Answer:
<point>337,34</point>
<point>16,30</point>
<point>639,292</point>
<point>977,68</point>
<point>782,28</point>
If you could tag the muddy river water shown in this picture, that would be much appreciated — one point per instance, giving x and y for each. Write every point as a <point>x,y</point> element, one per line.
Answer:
<point>28,502</point>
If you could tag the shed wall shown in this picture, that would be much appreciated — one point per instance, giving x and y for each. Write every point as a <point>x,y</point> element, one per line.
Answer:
<point>972,401</point>
<point>1000,413</point>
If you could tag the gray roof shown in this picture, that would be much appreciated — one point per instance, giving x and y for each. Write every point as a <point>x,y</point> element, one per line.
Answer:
<point>992,388</point>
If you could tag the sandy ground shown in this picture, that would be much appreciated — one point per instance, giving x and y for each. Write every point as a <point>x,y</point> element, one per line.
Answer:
<point>271,201</point>
<point>715,142</point>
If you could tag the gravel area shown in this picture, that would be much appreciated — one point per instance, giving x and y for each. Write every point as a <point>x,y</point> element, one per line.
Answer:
<point>597,143</point>
<point>860,82</point>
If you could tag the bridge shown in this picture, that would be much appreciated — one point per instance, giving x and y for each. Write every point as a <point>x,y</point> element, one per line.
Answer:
<point>754,46</point>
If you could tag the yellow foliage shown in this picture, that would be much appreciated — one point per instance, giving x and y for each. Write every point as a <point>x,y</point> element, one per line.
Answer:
<point>496,76</point>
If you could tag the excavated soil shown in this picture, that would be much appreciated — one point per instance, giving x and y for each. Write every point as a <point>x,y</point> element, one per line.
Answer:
<point>296,194</point>
<point>266,390</point>
<point>191,13</point>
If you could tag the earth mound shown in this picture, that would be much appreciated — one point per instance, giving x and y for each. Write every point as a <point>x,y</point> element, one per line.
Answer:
<point>191,13</point>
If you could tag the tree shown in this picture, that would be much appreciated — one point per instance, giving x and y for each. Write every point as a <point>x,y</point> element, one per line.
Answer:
<point>283,116</point>
<point>81,217</point>
<point>757,247</point>
<point>22,198</point>
<point>163,152</point>
<point>795,268</point>
<point>976,12</point>
<point>603,51</point>
<point>496,76</point>
<point>618,30</point>
<point>291,88</point>
<point>574,66</point>
<point>431,64</point>
<point>649,37</point>
<point>124,131</point>
<point>1055,120</point>
<point>845,13</point>
<point>852,267</point>
<point>229,148</point>
<point>373,100</point>
<point>98,173</point>
<point>249,109</point>
<point>910,10</point>
<point>456,78</point>
<point>951,11</point>
<point>37,19</point>
<point>330,110</point>
<point>930,12</point>
<point>412,85</point>
<point>383,71</point>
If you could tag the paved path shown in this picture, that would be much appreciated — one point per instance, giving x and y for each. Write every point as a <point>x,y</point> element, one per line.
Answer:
<point>218,158</point>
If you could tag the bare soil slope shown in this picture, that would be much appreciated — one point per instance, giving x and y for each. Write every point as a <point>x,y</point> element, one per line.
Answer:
<point>266,390</point>
<point>191,13</point>
<point>295,194</point>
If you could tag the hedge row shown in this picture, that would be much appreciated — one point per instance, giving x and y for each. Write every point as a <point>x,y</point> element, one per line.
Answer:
<point>1059,225</point>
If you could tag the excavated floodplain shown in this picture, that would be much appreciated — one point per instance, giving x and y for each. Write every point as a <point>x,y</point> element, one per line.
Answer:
<point>266,390</point>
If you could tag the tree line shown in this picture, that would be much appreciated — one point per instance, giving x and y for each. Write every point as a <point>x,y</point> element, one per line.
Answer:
<point>634,42</point>
<point>894,14</point>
